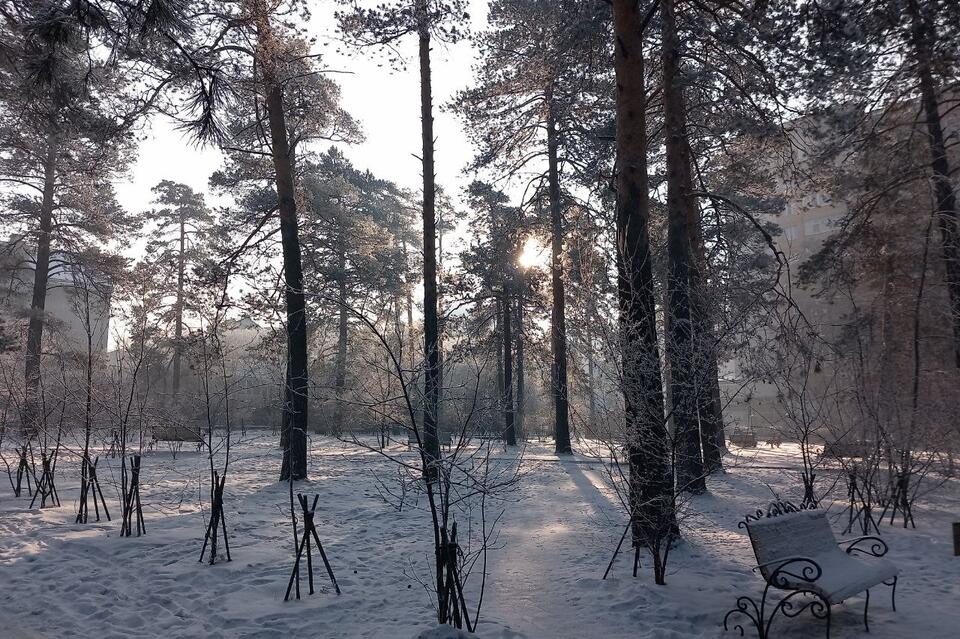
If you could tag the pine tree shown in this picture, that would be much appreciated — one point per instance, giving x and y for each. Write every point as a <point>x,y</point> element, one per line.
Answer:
<point>351,225</point>
<point>850,64</point>
<point>651,483</point>
<point>383,27</point>
<point>278,102</point>
<point>491,262</point>
<point>532,85</point>
<point>62,130</point>
<point>176,242</point>
<point>681,208</point>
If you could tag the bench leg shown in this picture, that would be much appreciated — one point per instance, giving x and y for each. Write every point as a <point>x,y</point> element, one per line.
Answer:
<point>893,592</point>
<point>866,607</point>
<point>761,616</point>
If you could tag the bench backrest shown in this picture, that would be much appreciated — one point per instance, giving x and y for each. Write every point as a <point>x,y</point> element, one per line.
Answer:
<point>802,534</point>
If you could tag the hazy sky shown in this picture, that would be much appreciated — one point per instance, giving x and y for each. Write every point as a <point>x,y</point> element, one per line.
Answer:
<point>385,101</point>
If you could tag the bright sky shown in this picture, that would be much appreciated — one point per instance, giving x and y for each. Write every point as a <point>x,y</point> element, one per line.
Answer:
<point>385,101</point>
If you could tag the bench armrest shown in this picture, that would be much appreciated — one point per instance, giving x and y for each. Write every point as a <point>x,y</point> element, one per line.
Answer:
<point>796,568</point>
<point>875,546</point>
<point>777,561</point>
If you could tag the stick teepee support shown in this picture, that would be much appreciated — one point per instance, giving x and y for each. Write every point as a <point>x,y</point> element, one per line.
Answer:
<point>46,488</point>
<point>309,532</point>
<point>23,471</point>
<point>131,502</point>
<point>217,521</point>
<point>90,485</point>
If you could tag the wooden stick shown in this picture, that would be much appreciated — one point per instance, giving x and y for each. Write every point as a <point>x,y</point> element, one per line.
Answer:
<point>326,563</point>
<point>296,564</point>
<point>96,481</point>
<point>617,551</point>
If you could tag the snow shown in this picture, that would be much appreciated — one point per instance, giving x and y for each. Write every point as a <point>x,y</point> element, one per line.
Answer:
<point>445,632</point>
<point>557,534</point>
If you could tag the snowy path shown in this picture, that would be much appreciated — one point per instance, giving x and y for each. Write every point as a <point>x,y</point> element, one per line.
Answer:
<point>556,537</point>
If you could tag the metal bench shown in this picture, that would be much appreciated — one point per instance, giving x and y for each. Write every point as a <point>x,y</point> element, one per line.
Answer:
<point>845,449</point>
<point>177,433</point>
<point>444,437</point>
<point>174,435</point>
<point>744,438</point>
<point>796,551</point>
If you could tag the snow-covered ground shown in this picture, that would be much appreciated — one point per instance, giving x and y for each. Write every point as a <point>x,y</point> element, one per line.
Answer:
<point>59,579</point>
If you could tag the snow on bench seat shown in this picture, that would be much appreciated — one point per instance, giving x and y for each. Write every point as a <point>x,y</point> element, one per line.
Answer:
<point>808,534</point>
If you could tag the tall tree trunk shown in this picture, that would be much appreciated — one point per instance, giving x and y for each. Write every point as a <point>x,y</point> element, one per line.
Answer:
<point>681,349</point>
<point>431,328</point>
<point>41,275</point>
<point>296,405</point>
<point>715,433</point>
<point>340,366</point>
<point>409,345</point>
<point>178,310</point>
<point>519,409</point>
<point>430,448</point>
<point>706,368</point>
<point>558,331</point>
<point>924,37</point>
<point>498,343</point>
<point>88,398</point>
<point>440,320</point>
<point>86,466</point>
<point>509,429</point>
<point>651,481</point>
<point>408,299</point>
<point>591,374</point>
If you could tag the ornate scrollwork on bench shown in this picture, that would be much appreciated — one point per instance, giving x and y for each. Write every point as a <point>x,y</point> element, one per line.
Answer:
<point>876,548</point>
<point>786,576</point>
<point>798,553</point>
<point>774,509</point>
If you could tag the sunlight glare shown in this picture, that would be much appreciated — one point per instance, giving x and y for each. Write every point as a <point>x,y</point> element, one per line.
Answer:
<point>534,255</point>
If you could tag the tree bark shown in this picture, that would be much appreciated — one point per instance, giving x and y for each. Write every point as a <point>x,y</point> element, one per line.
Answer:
<point>409,346</point>
<point>178,310</point>
<point>41,275</point>
<point>680,344</point>
<point>294,464</point>
<point>85,464</point>
<point>340,366</point>
<point>498,343</point>
<point>509,431</point>
<point>651,481</point>
<point>924,37</point>
<point>558,331</point>
<point>521,381</point>
<point>431,328</point>
<point>591,375</point>
<point>706,368</point>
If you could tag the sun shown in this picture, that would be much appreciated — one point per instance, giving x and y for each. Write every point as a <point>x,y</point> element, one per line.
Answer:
<point>534,255</point>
